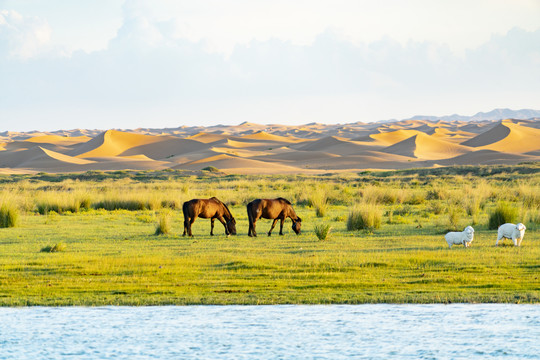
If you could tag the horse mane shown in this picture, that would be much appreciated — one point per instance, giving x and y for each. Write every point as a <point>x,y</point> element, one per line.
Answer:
<point>222,203</point>
<point>229,211</point>
<point>284,200</point>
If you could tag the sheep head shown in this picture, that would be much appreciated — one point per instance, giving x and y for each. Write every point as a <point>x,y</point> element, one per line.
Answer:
<point>469,232</point>
<point>520,227</point>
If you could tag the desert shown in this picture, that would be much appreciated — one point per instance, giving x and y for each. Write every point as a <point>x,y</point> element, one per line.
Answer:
<point>273,149</point>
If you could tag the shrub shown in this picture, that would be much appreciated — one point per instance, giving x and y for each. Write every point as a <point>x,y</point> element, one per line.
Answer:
<point>163,226</point>
<point>54,248</point>
<point>9,216</point>
<point>211,169</point>
<point>322,231</point>
<point>503,214</point>
<point>364,216</point>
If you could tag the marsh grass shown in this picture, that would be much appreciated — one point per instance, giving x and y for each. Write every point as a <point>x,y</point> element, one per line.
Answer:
<point>504,213</point>
<point>9,216</point>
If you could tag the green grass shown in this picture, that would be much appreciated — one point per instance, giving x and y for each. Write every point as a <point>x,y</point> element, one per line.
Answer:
<point>114,258</point>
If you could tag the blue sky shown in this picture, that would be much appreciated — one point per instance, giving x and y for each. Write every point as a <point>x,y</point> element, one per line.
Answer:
<point>166,63</point>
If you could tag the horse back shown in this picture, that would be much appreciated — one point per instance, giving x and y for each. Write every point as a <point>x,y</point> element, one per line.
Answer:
<point>204,208</point>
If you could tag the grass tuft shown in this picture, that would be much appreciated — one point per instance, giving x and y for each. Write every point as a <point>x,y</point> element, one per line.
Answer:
<point>322,231</point>
<point>504,213</point>
<point>9,216</point>
<point>59,247</point>
<point>364,217</point>
<point>163,226</point>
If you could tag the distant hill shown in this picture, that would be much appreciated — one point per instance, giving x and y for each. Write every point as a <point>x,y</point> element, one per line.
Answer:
<point>497,114</point>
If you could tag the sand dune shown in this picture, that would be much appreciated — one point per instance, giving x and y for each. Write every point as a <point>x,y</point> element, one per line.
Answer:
<point>426,147</point>
<point>166,148</point>
<point>57,139</point>
<point>261,135</point>
<point>507,137</point>
<point>42,159</point>
<point>113,143</point>
<point>253,148</point>
<point>231,163</point>
<point>393,137</point>
<point>487,157</point>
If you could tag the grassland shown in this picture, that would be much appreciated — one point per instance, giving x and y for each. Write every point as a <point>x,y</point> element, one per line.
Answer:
<point>105,223</point>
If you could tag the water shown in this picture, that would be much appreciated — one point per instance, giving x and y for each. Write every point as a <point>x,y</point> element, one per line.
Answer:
<point>272,332</point>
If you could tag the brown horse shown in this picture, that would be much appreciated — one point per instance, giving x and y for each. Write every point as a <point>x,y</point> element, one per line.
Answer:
<point>275,209</point>
<point>211,208</point>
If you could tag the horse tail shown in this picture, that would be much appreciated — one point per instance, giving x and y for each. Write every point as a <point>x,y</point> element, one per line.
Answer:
<point>250,215</point>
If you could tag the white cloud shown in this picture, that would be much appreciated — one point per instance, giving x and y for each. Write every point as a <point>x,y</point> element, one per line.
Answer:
<point>23,37</point>
<point>158,70</point>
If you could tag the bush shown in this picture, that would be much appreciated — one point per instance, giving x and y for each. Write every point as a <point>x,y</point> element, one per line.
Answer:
<point>9,216</point>
<point>211,169</point>
<point>364,216</point>
<point>163,226</point>
<point>322,231</point>
<point>503,214</point>
<point>54,248</point>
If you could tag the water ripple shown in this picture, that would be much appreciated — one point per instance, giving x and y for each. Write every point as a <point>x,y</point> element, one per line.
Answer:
<point>456,331</point>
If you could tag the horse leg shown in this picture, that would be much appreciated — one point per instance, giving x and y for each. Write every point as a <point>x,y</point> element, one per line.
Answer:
<point>222,220</point>
<point>186,222</point>
<point>212,226</point>
<point>253,232</point>
<point>272,227</point>
<point>191,221</point>
<point>281,226</point>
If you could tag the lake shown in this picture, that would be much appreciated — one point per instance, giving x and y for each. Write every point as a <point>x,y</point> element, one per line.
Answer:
<point>457,331</point>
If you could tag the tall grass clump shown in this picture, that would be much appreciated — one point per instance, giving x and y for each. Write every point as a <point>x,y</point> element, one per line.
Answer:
<point>319,201</point>
<point>163,226</point>
<point>364,217</point>
<point>453,217</point>
<point>504,213</point>
<point>322,231</point>
<point>9,216</point>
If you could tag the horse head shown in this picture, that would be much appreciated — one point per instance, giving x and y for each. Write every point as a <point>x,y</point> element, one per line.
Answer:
<point>231,226</point>
<point>296,224</point>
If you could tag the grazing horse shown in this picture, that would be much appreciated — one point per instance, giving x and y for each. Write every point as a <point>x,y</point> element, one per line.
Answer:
<point>211,208</point>
<point>275,209</point>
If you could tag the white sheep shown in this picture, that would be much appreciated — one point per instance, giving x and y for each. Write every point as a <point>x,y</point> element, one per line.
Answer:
<point>511,231</point>
<point>465,237</point>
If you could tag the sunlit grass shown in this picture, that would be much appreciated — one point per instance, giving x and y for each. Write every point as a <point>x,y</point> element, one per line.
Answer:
<point>113,256</point>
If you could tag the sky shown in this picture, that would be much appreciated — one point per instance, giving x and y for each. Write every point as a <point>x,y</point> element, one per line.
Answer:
<point>104,64</point>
